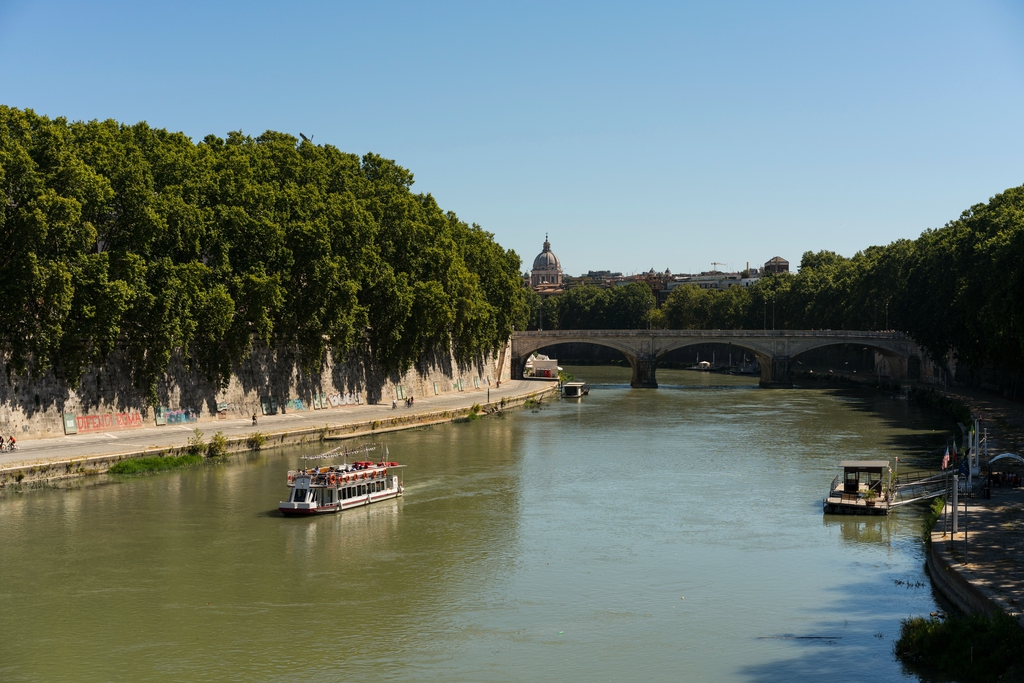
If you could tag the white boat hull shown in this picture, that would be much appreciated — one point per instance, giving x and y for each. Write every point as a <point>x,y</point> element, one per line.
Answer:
<point>335,502</point>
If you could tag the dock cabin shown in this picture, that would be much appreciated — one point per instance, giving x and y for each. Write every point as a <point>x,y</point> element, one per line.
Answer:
<point>542,366</point>
<point>575,390</point>
<point>860,490</point>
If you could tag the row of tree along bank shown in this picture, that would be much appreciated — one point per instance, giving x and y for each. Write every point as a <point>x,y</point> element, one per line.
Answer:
<point>129,237</point>
<point>957,290</point>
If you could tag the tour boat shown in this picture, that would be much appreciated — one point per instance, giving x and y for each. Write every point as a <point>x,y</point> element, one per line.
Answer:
<point>320,490</point>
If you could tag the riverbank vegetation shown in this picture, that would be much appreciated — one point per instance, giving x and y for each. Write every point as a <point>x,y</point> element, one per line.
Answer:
<point>196,452</point>
<point>154,463</point>
<point>135,238</point>
<point>971,648</point>
<point>931,516</point>
<point>953,407</point>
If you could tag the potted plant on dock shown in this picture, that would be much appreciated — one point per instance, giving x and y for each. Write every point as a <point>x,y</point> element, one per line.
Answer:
<point>869,497</point>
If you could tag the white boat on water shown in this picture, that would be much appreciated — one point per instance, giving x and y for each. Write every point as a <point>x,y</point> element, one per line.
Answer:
<point>321,490</point>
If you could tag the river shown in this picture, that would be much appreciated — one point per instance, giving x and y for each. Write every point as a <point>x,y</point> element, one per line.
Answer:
<point>657,535</point>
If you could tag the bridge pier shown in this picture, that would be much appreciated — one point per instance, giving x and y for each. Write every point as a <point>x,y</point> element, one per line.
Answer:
<point>775,373</point>
<point>643,373</point>
<point>518,366</point>
<point>914,368</point>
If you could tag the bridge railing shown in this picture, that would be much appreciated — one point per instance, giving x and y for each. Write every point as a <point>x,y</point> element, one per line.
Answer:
<point>830,334</point>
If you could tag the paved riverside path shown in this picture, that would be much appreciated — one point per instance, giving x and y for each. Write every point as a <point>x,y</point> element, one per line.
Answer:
<point>55,449</point>
<point>993,563</point>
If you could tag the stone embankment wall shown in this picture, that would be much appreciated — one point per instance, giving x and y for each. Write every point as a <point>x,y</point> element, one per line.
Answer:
<point>71,468</point>
<point>268,382</point>
<point>953,586</point>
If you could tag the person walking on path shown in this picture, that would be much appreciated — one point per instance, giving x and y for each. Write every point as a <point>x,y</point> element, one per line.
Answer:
<point>254,419</point>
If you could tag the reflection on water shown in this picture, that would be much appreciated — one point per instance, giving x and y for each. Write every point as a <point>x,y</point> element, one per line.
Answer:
<point>664,535</point>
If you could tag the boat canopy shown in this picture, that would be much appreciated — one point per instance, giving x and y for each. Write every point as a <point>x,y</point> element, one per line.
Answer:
<point>864,465</point>
<point>1006,456</point>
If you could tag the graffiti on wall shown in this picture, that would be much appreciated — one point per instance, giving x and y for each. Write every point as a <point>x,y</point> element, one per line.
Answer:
<point>338,400</point>
<point>95,423</point>
<point>181,416</point>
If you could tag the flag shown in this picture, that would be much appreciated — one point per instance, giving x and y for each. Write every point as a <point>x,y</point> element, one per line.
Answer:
<point>945,459</point>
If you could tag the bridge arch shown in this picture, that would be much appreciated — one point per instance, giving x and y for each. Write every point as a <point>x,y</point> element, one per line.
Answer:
<point>901,361</point>
<point>521,353</point>
<point>772,348</point>
<point>765,357</point>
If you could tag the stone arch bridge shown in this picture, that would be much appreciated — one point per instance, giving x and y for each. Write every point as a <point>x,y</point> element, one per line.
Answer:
<point>773,348</point>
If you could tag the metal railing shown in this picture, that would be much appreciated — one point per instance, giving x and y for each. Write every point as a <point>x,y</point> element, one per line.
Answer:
<point>842,334</point>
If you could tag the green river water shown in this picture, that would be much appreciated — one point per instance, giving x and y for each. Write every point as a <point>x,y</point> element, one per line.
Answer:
<point>657,535</point>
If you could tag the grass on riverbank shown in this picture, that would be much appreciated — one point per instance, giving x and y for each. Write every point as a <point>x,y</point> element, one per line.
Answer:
<point>972,648</point>
<point>154,463</point>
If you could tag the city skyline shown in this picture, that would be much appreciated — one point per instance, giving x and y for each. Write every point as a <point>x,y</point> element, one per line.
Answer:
<point>722,266</point>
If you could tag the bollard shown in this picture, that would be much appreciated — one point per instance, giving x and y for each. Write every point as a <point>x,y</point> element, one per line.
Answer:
<point>956,503</point>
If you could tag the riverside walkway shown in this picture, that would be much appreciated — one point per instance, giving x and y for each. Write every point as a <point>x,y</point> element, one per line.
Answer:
<point>984,572</point>
<point>138,441</point>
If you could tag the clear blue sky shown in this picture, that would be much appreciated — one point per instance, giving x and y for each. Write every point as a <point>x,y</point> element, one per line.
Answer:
<point>638,134</point>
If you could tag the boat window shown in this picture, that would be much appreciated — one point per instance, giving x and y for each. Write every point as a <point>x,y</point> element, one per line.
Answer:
<point>300,495</point>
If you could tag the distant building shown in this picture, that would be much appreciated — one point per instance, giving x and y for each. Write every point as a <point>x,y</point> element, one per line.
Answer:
<point>776,265</point>
<point>547,269</point>
<point>601,275</point>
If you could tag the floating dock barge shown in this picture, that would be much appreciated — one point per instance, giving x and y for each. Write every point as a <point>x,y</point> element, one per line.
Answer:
<point>868,487</point>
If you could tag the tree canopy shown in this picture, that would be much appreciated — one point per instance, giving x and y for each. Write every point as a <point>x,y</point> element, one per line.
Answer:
<point>959,289</point>
<point>126,236</point>
<point>595,308</point>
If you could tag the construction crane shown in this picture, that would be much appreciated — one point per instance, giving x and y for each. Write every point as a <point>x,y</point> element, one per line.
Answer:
<point>717,263</point>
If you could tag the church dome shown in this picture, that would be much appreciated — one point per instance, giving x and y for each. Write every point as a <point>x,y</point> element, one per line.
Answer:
<point>546,260</point>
